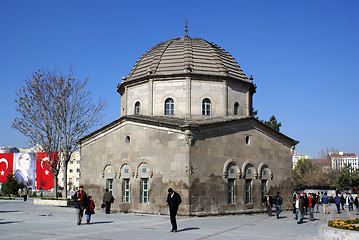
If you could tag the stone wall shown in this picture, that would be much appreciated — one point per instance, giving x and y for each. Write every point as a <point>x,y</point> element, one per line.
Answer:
<point>329,233</point>
<point>217,150</point>
<point>161,151</point>
<point>188,94</point>
<point>198,169</point>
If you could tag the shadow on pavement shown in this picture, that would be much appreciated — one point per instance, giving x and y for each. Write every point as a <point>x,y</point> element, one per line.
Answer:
<point>188,229</point>
<point>10,222</point>
<point>7,211</point>
<point>101,222</point>
<point>282,217</point>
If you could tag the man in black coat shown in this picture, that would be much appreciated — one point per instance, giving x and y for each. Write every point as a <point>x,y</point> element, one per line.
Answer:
<point>278,204</point>
<point>268,202</point>
<point>80,199</point>
<point>107,200</point>
<point>173,201</point>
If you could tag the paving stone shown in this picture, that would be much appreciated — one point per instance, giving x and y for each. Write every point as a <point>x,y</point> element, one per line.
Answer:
<point>24,220</point>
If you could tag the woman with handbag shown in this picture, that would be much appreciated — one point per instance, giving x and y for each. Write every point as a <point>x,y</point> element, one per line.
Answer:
<point>90,209</point>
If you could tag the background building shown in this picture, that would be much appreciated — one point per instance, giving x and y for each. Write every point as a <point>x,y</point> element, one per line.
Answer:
<point>73,173</point>
<point>340,160</point>
<point>296,156</point>
<point>324,164</point>
<point>9,150</point>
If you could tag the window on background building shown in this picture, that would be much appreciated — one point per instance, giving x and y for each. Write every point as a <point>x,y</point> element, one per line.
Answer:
<point>236,107</point>
<point>144,190</point>
<point>70,170</point>
<point>206,107</point>
<point>71,162</point>
<point>109,185</point>
<point>137,108</point>
<point>70,179</point>
<point>78,162</point>
<point>78,170</point>
<point>264,188</point>
<point>77,179</point>
<point>248,190</point>
<point>169,106</point>
<point>230,191</point>
<point>126,190</point>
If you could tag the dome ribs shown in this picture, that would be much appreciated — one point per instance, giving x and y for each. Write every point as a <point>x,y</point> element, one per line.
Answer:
<point>187,55</point>
<point>157,60</point>
<point>215,56</point>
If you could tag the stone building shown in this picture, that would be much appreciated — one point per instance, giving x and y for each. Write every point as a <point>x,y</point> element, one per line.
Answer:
<point>186,123</point>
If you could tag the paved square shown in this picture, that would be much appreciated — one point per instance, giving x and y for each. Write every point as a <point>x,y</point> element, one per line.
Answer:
<point>24,220</point>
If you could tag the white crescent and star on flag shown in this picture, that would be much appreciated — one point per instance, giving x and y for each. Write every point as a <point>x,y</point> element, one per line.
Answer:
<point>42,161</point>
<point>7,165</point>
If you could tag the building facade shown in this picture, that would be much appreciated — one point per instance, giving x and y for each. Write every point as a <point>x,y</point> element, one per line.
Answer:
<point>297,156</point>
<point>324,164</point>
<point>187,124</point>
<point>73,173</point>
<point>9,150</point>
<point>340,160</point>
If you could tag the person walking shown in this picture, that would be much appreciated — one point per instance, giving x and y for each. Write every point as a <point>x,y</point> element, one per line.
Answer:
<point>90,209</point>
<point>294,211</point>
<point>268,202</point>
<point>299,208</point>
<point>80,199</point>
<point>337,202</point>
<point>317,202</point>
<point>305,198</point>
<point>350,202</point>
<point>25,192</point>
<point>356,203</point>
<point>342,201</point>
<point>311,205</point>
<point>325,202</point>
<point>173,201</point>
<point>278,204</point>
<point>107,200</point>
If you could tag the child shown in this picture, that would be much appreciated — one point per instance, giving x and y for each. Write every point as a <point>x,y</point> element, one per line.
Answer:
<point>90,209</point>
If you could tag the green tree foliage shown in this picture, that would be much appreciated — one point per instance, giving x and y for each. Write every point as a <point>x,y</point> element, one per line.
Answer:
<point>11,186</point>
<point>303,172</point>
<point>347,178</point>
<point>307,174</point>
<point>273,123</point>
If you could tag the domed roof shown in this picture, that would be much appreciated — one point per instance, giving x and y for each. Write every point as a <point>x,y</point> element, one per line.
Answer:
<point>186,55</point>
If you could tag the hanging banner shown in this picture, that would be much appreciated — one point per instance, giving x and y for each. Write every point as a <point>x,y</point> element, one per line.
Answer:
<point>25,166</point>
<point>44,177</point>
<point>6,165</point>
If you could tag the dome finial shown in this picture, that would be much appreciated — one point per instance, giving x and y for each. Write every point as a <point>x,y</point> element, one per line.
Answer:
<point>186,30</point>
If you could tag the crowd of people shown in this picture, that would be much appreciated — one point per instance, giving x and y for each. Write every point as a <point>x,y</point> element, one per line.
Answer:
<point>304,204</point>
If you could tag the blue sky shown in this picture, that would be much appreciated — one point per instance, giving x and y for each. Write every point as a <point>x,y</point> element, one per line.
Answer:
<point>303,55</point>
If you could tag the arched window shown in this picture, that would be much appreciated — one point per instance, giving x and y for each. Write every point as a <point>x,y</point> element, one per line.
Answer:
<point>206,107</point>
<point>137,108</point>
<point>236,106</point>
<point>169,106</point>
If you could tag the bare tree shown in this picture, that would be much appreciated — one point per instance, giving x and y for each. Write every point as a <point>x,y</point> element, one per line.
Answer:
<point>324,154</point>
<point>55,110</point>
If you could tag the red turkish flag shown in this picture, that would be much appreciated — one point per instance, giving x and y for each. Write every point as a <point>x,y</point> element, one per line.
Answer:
<point>44,177</point>
<point>6,165</point>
